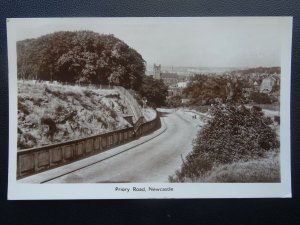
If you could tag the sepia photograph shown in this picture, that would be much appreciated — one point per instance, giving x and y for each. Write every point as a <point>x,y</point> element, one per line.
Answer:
<point>149,107</point>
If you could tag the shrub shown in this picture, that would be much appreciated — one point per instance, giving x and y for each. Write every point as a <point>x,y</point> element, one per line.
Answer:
<point>59,109</point>
<point>23,108</point>
<point>262,170</point>
<point>277,119</point>
<point>234,134</point>
<point>174,101</point>
<point>26,141</point>
<point>38,101</point>
<point>256,108</point>
<point>260,98</point>
<point>117,96</point>
<point>268,120</point>
<point>51,124</point>
<point>88,93</point>
<point>155,91</point>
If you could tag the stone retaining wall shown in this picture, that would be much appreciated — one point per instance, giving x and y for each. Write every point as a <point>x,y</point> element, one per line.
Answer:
<point>35,160</point>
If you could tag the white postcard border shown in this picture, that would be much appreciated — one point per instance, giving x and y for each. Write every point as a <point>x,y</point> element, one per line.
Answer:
<point>23,191</point>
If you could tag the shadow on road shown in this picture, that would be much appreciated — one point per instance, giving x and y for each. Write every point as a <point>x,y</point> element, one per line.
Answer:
<point>163,114</point>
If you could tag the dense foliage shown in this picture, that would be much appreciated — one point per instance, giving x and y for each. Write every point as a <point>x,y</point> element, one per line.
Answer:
<point>260,70</point>
<point>260,98</point>
<point>174,101</point>
<point>234,134</point>
<point>155,91</point>
<point>206,89</point>
<point>82,57</point>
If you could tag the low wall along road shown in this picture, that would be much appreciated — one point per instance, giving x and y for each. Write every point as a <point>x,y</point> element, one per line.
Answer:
<point>35,160</point>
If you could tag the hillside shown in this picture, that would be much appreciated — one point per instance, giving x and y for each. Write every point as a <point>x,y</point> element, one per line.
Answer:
<point>52,112</point>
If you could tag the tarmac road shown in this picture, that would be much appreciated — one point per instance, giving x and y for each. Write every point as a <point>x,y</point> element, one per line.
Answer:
<point>153,161</point>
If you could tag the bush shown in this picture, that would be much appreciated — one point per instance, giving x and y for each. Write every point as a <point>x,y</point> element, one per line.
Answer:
<point>52,129</point>
<point>257,108</point>
<point>174,101</point>
<point>277,119</point>
<point>268,121</point>
<point>260,98</point>
<point>206,89</point>
<point>234,134</point>
<point>26,141</point>
<point>22,107</point>
<point>155,91</point>
<point>262,170</point>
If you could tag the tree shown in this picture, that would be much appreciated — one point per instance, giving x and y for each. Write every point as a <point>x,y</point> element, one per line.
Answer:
<point>174,101</point>
<point>260,98</point>
<point>155,91</point>
<point>210,89</point>
<point>82,56</point>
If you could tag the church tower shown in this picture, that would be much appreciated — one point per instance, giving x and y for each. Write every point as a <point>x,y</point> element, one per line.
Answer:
<point>157,71</point>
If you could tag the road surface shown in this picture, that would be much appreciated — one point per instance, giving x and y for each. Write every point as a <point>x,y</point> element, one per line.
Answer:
<point>152,161</point>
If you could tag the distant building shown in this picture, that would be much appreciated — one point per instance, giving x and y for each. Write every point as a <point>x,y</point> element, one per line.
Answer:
<point>182,84</point>
<point>169,78</point>
<point>177,89</point>
<point>174,90</point>
<point>157,71</point>
<point>168,75</point>
<point>267,84</point>
<point>229,90</point>
<point>149,73</point>
<point>185,100</point>
<point>247,91</point>
<point>256,86</point>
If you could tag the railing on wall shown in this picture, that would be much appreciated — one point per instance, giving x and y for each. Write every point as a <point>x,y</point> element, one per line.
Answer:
<point>35,160</point>
<point>138,123</point>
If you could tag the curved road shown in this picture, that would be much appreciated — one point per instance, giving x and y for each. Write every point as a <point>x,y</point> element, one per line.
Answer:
<point>153,161</point>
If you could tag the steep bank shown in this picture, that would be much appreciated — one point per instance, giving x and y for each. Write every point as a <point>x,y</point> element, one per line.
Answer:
<point>52,112</point>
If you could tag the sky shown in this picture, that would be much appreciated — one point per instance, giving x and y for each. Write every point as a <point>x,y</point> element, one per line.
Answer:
<point>185,41</point>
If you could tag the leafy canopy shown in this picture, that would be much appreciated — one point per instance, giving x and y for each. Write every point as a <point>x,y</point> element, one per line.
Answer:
<point>155,91</point>
<point>210,89</point>
<point>81,56</point>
